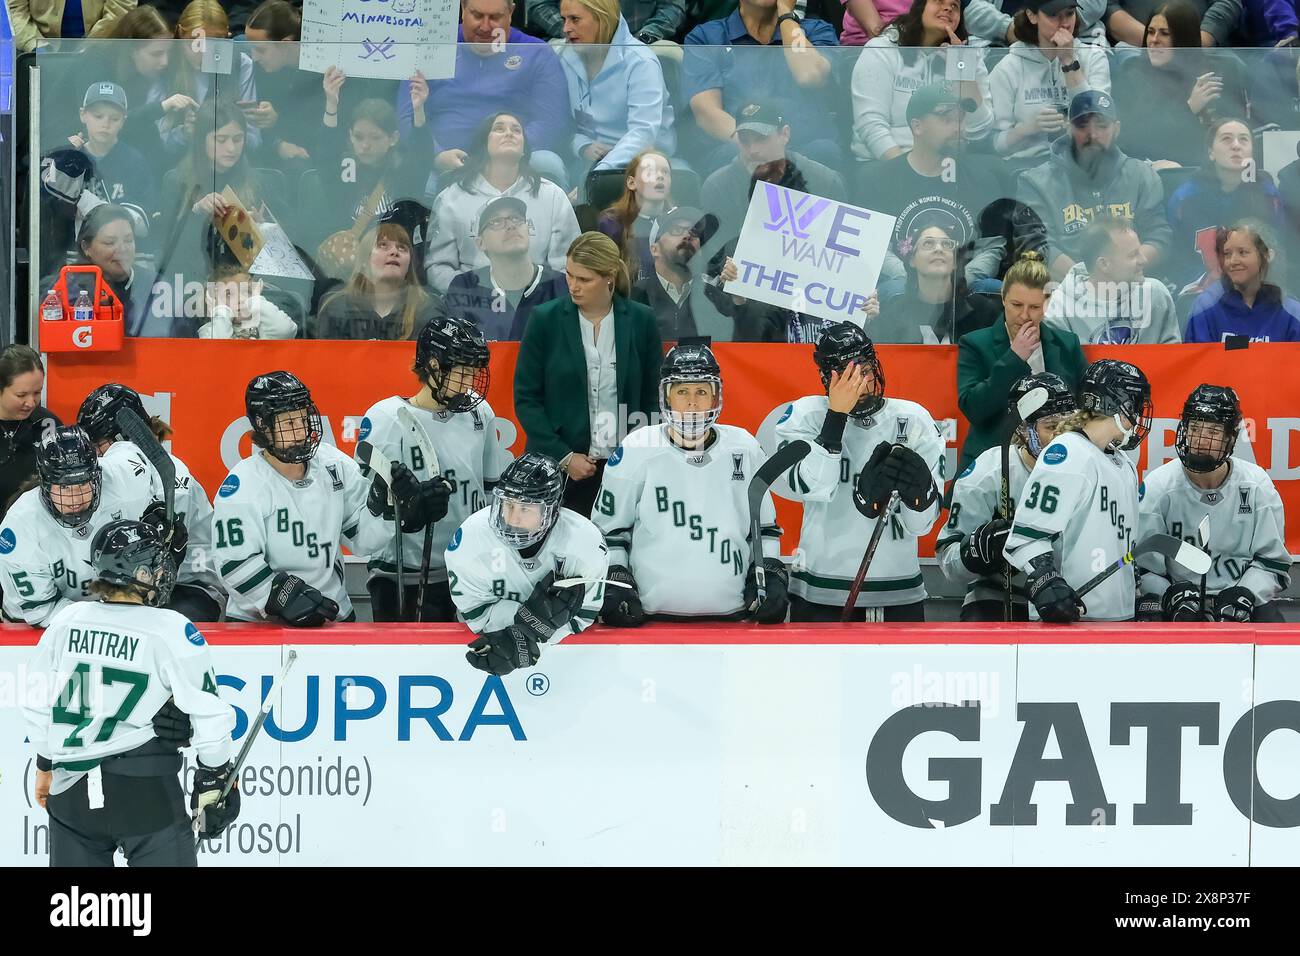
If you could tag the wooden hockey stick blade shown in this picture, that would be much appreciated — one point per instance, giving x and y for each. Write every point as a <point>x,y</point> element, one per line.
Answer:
<point>142,437</point>
<point>1188,555</point>
<point>419,437</point>
<point>376,462</point>
<point>570,582</point>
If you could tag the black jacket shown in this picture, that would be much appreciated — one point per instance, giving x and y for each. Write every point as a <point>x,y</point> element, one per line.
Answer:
<point>18,442</point>
<point>471,296</point>
<point>676,319</point>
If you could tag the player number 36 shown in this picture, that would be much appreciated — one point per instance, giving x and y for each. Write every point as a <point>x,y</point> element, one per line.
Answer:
<point>1047,504</point>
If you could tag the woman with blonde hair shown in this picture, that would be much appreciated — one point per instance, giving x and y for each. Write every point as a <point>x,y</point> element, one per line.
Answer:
<point>588,368</point>
<point>991,360</point>
<point>384,298</point>
<point>616,87</point>
<point>200,22</point>
<point>647,192</point>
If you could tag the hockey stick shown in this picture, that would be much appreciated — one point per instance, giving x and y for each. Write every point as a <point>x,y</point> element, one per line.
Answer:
<point>1189,556</point>
<point>381,466</point>
<point>420,438</point>
<point>271,696</point>
<point>570,582</point>
<point>883,519</point>
<point>785,458</point>
<point>1202,536</point>
<point>1029,403</point>
<point>140,435</point>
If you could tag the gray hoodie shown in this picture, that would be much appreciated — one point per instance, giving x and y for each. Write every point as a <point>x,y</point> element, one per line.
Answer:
<point>1122,313</point>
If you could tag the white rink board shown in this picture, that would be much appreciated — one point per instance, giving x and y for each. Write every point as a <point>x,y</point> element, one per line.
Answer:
<point>729,753</point>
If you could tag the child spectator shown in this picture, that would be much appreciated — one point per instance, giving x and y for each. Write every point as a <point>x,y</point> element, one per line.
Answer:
<point>237,308</point>
<point>1242,303</point>
<point>122,175</point>
<point>647,191</point>
<point>384,298</point>
<point>206,20</point>
<point>282,114</point>
<point>141,69</point>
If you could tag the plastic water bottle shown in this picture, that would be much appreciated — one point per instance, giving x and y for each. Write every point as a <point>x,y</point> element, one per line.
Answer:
<point>83,311</point>
<point>52,308</point>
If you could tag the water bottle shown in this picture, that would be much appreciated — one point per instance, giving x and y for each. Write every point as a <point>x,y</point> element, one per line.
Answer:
<point>83,311</point>
<point>52,308</point>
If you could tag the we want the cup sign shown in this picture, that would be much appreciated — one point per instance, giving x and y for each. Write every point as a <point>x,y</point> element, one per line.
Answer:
<point>810,254</point>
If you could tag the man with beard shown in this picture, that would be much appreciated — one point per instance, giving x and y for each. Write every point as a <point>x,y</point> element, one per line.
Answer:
<point>675,239</point>
<point>1086,177</point>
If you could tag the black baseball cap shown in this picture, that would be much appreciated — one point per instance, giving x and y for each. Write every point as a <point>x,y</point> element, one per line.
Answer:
<point>1091,102</point>
<point>705,224</point>
<point>499,205</point>
<point>929,98</point>
<point>760,118</point>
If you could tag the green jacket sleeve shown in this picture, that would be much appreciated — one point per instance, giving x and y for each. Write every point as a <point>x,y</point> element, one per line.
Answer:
<point>652,357</point>
<point>982,388</point>
<point>530,389</point>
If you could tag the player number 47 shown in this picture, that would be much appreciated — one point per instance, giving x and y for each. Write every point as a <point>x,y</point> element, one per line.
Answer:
<point>79,689</point>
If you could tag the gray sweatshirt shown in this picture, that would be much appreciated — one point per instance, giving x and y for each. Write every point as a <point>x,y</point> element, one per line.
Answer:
<point>1136,313</point>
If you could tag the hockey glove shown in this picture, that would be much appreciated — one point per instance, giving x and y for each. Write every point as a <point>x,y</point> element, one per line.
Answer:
<point>548,609</point>
<point>909,475</point>
<point>871,491</point>
<point>774,607</point>
<point>297,603</point>
<point>171,725</point>
<point>214,817</point>
<point>500,652</point>
<point>156,517</point>
<point>1234,604</point>
<point>1148,608</point>
<point>1051,594</point>
<point>1182,603</point>
<point>421,502</point>
<point>622,607</point>
<point>405,490</point>
<point>981,551</point>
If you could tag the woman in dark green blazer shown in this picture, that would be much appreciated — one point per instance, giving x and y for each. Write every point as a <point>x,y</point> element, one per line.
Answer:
<point>991,360</point>
<point>576,393</point>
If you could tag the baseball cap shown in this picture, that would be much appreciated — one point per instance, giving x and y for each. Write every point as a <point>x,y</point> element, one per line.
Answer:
<point>929,98</point>
<point>705,224</point>
<point>104,92</point>
<point>1049,7</point>
<point>1089,102</point>
<point>499,205</point>
<point>759,118</point>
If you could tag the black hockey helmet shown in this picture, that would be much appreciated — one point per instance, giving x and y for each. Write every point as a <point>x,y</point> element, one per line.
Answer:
<point>275,393</point>
<point>98,413</point>
<point>1060,401</point>
<point>1115,388</point>
<point>841,344</point>
<point>66,459</point>
<point>690,360</point>
<point>531,479</point>
<point>131,554</point>
<point>453,342</point>
<point>1216,404</point>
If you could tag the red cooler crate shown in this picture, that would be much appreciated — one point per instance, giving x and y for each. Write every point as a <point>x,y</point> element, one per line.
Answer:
<point>102,334</point>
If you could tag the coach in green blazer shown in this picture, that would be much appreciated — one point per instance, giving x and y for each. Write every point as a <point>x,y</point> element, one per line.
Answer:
<point>991,360</point>
<point>576,394</point>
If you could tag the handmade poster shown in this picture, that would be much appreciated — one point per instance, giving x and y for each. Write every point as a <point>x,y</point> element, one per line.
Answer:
<point>384,39</point>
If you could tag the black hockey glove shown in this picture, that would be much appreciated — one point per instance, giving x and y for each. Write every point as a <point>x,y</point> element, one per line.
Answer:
<point>622,607</point>
<point>1148,608</point>
<point>1235,604</point>
<point>548,608</point>
<point>407,491</point>
<point>297,603</point>
<point>871,490</point>
<point>981,551</point>
<point>909,475</point>
<point>500,652</point>
<point>214,817</point>
<point>774,607</point>
<point>156,517</point>
<point>1051,594</point>
<point>171,725</point>
<point>1182,603</point>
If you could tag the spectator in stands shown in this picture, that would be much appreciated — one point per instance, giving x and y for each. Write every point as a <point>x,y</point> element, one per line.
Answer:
<point>140,68</point>
<point>33,22</point>
<point>122,175</point>
<point>891,68</point>
<point>500,296</point>
<point>238,309</point>
<point>991,360</point>
<point>1086,176</point>
<point>935,307</point>
<point>107,239</point>
<point>647,191</point>
<point>283,114</point>
<point>1229,188</point>
<point>498,164</point>
<point>763,136</point>
<point>720,74</point>
<point>522,76</point>
<point>588,368</point>
<point>1270,23</point>
<point>1180,89</point>
<point>1242,303</point>
<point>384,298</point>
<point>669,291</point>
<point>616,88</point>
<point>986,21</point>
<point>918,186</point>
<point>1129,21</point>
<point>1105,299</point>
<point>205,19</point>
<point>1033,84</point>
<point>363,172</point>
<point>22,417</point>
<point>647,20</point>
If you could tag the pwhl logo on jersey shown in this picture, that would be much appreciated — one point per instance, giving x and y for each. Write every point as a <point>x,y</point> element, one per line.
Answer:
<point>8,540</point>
<point>1056,454</point>
<point>1161,725</point>
<point>229,486</point>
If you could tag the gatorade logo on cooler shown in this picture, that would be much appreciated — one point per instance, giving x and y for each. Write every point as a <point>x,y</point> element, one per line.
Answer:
<point>229,486</point>
<point>83,336</point>
<point>1054,455</point>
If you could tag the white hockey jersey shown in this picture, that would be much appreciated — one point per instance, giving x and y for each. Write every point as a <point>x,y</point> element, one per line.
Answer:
<point>489,580</point>
<point>264,523</point>
<point>834,533</point>
<point>1080,503</point>
<point>468,455</point>
<point>105,670</point>
<point>192,503</point>
<point>1247,535</point>
<point>46,566</point>
<point>975,500</point>
<point>679,519</point>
